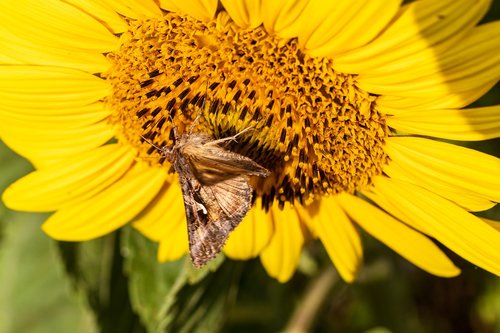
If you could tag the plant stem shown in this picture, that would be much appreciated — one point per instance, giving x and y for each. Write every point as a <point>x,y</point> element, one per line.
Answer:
<point>307,309</point>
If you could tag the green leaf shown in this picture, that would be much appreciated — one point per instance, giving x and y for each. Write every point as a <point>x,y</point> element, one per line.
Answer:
<point>149,281</point>
<point>96,269</point>
<point>175,297</point>
<point>203,307</point>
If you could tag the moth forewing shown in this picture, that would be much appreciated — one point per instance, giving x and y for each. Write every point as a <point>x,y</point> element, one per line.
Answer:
<point>216,164</point>
<point>216,190</point>
<point>212,163</point>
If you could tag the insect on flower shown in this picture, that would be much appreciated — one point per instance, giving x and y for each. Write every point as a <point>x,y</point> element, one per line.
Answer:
<point>215,188</point>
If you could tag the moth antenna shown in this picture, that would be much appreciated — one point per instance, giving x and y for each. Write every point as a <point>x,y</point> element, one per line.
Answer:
<point>195,121</point>
<point>245,130</point>
<point>151,143</point>
<point>230,138</point>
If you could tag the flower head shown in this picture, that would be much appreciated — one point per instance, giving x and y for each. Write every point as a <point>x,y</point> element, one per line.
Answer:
<point>344,102</point>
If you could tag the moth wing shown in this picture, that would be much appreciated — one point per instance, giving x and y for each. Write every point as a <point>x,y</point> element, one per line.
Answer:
<point>226,203</point>
<point>212,164</point>
<point>216,192</point>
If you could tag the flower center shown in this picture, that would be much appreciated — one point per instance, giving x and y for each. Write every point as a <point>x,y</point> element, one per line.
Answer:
<point>309,125</point>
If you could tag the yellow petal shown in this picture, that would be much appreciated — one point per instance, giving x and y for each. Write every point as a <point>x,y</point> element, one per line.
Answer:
<point>410,244</point>
<point>463,71</point>
<point>494,224</point>
<point>463,169</point>
<point>164,221</point>
<point>44,118</point>
<point>36,133</point>
<point>174,245</point>
<point>165,211</point>
<point>23,51</point>
<point>458,66</point>
<point>393,207</point>
<point>388,104</point>
<point>70,181</point>
<point>283,17</point>
<point>44,144</point>
<point>102,13</point>
<point>466,124</point>
<point>421,26</point>
<point>335,27</point>
<point>468,200</point>
<point>203,10</point>
<point>455,228</point>
<point>281,256</point>
<point>56,24</point>
<point>4,57</point>
<point>442,56</point>
<point>245,13</point>
<point>169,5</point>
<point>108,210</point>
<point>44,87</point>
<point>251,236</point>
<point>340,238</point>
<point>43,90</point>
<point>136,9</point>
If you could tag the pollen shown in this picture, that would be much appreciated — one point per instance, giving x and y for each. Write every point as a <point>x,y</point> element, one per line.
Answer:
<point>310,126</point>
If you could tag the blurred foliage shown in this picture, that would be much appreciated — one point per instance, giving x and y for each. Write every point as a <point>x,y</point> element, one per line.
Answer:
<point>35,294</point>
<point>114,284</point>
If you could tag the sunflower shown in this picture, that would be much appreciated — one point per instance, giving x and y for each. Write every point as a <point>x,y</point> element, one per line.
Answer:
<point>350,105</point>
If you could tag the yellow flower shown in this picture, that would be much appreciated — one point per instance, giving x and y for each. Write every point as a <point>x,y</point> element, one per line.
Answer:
<point>343,97</point>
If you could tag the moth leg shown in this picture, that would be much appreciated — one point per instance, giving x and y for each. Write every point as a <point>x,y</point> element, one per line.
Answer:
<point>176,135</point>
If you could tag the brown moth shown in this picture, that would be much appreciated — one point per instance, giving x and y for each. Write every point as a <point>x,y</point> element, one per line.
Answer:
<point>215,189</point>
